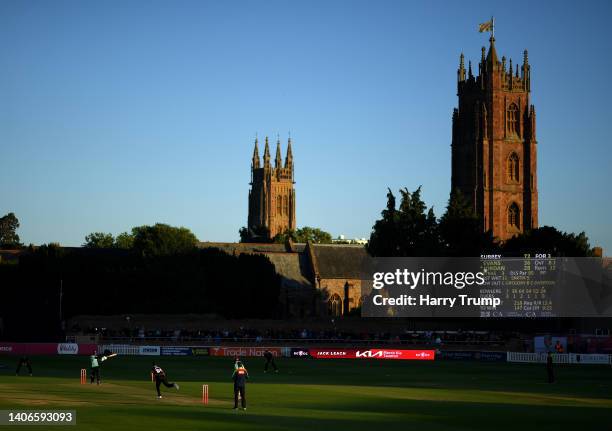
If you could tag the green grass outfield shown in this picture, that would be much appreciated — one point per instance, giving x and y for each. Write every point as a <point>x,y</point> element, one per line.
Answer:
<point>317,395</point>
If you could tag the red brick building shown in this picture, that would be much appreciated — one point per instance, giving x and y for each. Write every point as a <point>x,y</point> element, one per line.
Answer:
<point>494,155</point>
<point>272,195</point>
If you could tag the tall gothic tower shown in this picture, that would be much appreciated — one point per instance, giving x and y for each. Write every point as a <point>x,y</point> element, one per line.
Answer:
<point>272,195</point>
<point>494,144</point>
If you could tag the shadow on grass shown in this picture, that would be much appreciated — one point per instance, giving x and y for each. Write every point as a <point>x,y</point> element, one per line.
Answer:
<point>431,416</point>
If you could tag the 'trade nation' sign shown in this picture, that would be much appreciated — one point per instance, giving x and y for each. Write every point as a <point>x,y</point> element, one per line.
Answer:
<point>421,355</point>
<point>244,351</point>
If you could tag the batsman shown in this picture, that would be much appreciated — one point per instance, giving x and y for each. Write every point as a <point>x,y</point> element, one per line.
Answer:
<point>95,362</point>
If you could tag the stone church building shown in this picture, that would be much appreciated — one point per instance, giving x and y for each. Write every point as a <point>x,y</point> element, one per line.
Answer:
<point>316,279</point>
<point>494,152</point>
<point>272,195</point>
<point>494,164</point>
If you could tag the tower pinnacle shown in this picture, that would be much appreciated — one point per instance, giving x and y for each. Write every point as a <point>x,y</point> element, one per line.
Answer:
<point>255,162</point>
<point>278,162</point>
<point>289,158</point>
<point>461,70</point>
<point>266,156</point>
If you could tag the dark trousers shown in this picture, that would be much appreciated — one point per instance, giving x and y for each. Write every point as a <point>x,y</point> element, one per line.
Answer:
<point>551,375</point>
<point>95,374</point>
<point>270,361</point>
<point>239,390</point>
<point>27,364</point>
<point>162,380</point>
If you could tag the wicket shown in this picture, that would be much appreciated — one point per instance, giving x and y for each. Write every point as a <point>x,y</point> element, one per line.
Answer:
<point>83,376</point>
<point>152,378</point>
<point>204,394</point>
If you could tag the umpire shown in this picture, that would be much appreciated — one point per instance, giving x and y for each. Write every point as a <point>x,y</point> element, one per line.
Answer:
<point>549,368</point>
<point>25,362</point>
<point>269,361</point>
<point>240,377</point>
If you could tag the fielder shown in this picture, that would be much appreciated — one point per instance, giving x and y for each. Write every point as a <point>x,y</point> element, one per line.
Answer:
<point>269,361</point>
<point>160,377</point>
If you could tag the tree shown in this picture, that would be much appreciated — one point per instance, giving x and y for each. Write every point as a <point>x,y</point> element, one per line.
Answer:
<point>418,231</point>
<point>461,229</point>
<point>163,240</point>
<point>383,239</point>
<point>8,231</point>
<point>124,241</point>
<point>305,234</point>
<point>99,240</point>
<point>410,230</point>
<point>549,240</point>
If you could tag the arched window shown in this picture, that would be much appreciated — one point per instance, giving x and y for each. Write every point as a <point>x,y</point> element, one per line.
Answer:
<point>279,205</point>
<point>334,305</point>
<point>512,120</point>
<point>285,205</point>
<point>514,216</point>
<point>513,167</point>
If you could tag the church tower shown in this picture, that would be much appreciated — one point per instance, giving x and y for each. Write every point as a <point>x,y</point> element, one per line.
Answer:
<point>272,195</point>
<point>494,144</point>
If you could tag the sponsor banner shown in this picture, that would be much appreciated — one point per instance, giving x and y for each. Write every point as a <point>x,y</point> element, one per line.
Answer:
<point>6,348</point>
<point>331,353</point>
<point>546,343</point>
<point>561,358</point>
<point>462,355</point>
<point>47,349</point>
<point>299,353</point>
<point>67,349</point>
<point>120,349</point>
<point>200,351</point>
<point>398,354</point>
<point>245,351</point>
<point>149,350</point>
<point>589,358</point>
<point>175,351</point>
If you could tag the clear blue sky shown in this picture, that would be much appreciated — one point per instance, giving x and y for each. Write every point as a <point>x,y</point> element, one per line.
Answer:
<point>121,113</point>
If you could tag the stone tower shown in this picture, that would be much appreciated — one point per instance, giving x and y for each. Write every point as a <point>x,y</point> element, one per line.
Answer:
<point>272,195</point>
<point>494,144</point>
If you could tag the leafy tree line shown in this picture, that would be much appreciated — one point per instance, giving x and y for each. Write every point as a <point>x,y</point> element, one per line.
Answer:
<point>155,269</point>
<point>157,240</point>
<point>303,234</point>
<point>411,229</point>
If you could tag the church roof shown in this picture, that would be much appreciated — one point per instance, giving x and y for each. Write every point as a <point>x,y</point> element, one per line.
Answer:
<point>248,247</point>
<point>341,261</point>
<point>293,268</point>
<point>290,262</point>
<point>297,264</point>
